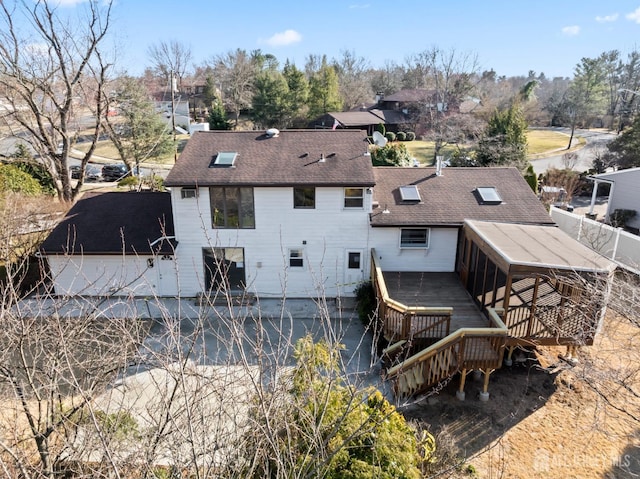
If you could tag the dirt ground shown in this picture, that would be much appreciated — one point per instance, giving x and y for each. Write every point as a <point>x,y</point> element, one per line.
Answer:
<point>547,418</point>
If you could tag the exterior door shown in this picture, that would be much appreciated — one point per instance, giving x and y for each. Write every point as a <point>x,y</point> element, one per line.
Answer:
<point>354,269</point>
<point>224,269</point>
<point>167,275</point>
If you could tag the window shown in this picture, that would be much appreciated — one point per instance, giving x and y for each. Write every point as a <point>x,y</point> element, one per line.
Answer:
<point>414,238</point>
<point>295,258</point>
<point>304,198</point>
<point>410,193</point>
<point>353,260</point>
<point>232,207</point>
<point>223,159</point>
<point>488,195</point>
<point>353,197</point>
<point>188,193</point>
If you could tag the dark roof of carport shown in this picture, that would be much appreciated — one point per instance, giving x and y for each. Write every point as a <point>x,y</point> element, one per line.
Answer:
<point>114,223</point>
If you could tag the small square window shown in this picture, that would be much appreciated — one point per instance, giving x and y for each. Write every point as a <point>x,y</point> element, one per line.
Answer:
<point>295,258</point>
<point>188,193</point>
<point>414,238</point>
<point>304,198</point>
<point>353,197</point>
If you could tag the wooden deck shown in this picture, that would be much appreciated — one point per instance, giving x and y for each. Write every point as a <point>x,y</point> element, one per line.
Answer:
<point>436,290</point>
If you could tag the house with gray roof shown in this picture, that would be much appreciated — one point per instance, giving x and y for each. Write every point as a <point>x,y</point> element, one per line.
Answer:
<point>295,213</point>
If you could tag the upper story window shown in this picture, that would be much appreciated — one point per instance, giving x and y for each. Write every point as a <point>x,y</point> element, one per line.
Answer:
<point>353,197</point>
<point>304,197</point>
<point>188,193</point>
<point>232,207</point>
<point>414,238</point>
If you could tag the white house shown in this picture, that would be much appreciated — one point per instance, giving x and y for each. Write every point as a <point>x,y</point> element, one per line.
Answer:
<point>293,213</point>
<point>624,193</point>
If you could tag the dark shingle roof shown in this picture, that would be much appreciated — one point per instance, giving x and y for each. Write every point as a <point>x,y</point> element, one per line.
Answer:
<point>105,223</point>
<point>289,159</point>
<point>450,199</point>
<point>410,95</point>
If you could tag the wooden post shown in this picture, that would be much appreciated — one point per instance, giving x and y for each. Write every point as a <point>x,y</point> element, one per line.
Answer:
<point>460,392</point>
<point>484,395</point>
<point>509,361</point>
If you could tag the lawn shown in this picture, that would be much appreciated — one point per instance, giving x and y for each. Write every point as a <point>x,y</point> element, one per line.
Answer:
<point>106,149</point>
<point>423,151</point>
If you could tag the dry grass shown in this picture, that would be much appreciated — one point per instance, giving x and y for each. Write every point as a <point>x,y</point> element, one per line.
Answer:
<point>106,149</point>
<point>423,151</point>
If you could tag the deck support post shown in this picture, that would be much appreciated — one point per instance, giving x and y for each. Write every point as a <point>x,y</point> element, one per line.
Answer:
<point>460,392</point>
<point>509,361</point>
<point>571,354</point>
<point>484,395</point>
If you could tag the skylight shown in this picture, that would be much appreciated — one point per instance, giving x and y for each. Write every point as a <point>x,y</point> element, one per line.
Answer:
<point>488,195</point>
<point>410,193</point>
<point>224,158</point>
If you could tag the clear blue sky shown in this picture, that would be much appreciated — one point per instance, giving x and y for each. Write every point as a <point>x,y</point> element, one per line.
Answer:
<point>510,36</point>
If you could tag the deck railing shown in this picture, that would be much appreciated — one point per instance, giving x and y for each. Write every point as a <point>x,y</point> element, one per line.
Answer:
<point>464,349</point>
<point>402,322</point>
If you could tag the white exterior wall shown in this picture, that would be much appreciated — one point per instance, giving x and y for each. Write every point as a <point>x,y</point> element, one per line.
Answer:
<point>625,193</point>
<point>440,256</point>
<point>329,231</point>
<point>113,275</point>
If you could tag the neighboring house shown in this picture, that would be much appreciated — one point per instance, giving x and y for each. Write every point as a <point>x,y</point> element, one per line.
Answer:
<point>114,243</point>
<point>624,194</point>
<point>362,119</point>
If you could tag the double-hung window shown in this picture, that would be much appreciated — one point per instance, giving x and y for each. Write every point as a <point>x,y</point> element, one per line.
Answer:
<point>232,207</point>
<point>353,197</point>
<point>296,259</point>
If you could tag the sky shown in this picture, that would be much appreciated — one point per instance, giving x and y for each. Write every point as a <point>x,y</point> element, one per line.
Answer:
<point>510,36</point>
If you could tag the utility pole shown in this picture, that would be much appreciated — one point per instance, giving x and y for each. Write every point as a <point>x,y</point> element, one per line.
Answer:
<point>173,115</point>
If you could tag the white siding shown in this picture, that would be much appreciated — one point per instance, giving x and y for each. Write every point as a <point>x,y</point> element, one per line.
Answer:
<point>103,275</point>
<point>324,233</point>
<point>440,256</point>
<point>625,193</point>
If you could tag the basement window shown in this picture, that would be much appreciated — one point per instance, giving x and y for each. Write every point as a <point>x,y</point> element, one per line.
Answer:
<point>295,258</point>
<point>224,159</point>
<point>488,195</point>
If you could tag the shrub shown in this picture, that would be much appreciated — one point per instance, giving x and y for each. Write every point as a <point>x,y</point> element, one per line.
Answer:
<point>411,136</point>
<point>380,128</point>
<point>14,179</point>
<point>401,136</point>
<point>391,136</point>
<point>392,154</point>
<point>620,217</point>
<point>365,301</point>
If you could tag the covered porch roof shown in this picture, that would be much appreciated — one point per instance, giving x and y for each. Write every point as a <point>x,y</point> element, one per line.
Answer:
<point>518,248</point>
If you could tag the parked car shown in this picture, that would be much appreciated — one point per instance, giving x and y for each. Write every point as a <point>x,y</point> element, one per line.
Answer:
<point>114,172</point>
<point>91,173</point>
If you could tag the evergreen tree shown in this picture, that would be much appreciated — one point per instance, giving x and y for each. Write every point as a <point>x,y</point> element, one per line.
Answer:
<point>218,117</point>
<point>271,107</point>
<point>625,149</point>
<point>505,141</point>
<point>324,92</point>
<point>298,94</point>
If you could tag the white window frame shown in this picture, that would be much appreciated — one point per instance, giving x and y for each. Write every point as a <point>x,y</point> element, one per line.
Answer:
<point>361,198</point>
<point>299,256</point>
<point>424,245</point>
<point>188,193</point>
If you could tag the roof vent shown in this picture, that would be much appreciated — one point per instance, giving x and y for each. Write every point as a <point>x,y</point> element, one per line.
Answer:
<point>272,132</point>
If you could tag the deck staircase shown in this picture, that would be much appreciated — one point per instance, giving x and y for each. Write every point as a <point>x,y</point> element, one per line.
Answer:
<point>463,350</point>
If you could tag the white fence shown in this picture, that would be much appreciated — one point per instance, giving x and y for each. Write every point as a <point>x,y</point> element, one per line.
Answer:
<point>613,243</point>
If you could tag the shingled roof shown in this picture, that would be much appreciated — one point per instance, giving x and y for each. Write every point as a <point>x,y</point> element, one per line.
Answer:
<point>449,199</point>
<point>290,158</point>
<point>107,223</point>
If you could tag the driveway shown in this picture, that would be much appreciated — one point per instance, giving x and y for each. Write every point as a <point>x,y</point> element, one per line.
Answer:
<point>596,143</point>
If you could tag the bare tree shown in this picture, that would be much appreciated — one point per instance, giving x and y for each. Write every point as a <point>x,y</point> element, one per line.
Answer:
<point>236,71</point>
<point>354,78</point>
<point>52,71</point>
<point>171,57</point>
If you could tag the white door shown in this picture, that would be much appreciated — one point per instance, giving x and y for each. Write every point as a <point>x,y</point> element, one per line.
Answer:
<point>354,269</point>
<point>167,275</point>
